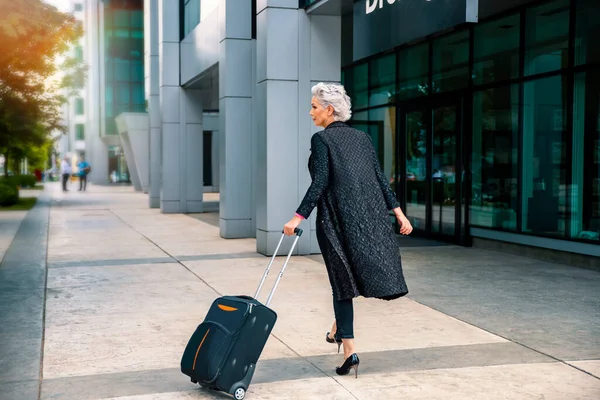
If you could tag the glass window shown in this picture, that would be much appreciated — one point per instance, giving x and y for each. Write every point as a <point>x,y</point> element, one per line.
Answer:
<point>357,85</point>
<point>544,156</point>
<point>496,50</point>
<point>494,161</point>
<point>382,80</point>
<point>79,106</point>
<point>121,18</point>
<point>137,71</point>
<point>78,7</point>
<point>137,19</point>
<point>547,37</point>
<point>413,70</point>
<point>122,70</point>
<point>587,32</point>
<point>79,53</point>
<point>585,192</point>
<point>416,168</point>
<point>124,95</point>
<point>79,132</point>
<point>138,98</point>
<point>451,62</point>
<point>191,15</point>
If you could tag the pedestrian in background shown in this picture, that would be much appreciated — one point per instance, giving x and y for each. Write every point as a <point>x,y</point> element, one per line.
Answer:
<point>65,170</point>
<point>352,196</point>
<point>84,170</point>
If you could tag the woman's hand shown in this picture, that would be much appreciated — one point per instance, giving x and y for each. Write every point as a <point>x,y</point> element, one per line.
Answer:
<point>289,228</point>
<point>405,226</point>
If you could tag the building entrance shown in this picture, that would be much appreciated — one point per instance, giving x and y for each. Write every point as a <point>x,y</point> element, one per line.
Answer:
<point>433,171</point>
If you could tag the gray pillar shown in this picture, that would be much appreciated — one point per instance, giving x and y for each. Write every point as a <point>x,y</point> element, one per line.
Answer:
<point>191,150</point>
<point>181,122</point>
<point>153,92</point>
<point>235,118</point>
<point>294,51</point>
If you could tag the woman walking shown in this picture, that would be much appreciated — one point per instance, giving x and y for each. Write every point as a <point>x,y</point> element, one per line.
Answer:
<point>352,197</point>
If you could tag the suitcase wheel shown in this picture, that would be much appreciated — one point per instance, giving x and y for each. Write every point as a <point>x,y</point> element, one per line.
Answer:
<point>239,393</point>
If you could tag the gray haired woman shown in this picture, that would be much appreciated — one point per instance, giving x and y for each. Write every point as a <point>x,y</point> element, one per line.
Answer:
<point>352,196</point>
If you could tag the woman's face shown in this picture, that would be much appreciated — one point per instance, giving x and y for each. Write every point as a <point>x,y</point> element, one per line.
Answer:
<point>321,116</point>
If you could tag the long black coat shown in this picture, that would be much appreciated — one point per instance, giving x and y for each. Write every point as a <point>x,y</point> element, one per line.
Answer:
<point>354,231</point>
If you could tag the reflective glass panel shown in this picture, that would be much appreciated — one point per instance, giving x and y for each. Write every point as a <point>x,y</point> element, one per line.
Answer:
<point>451,62</point>
<point>413,67</point>
<point>444,167</point>
<point>382,80</point>
<point>587,32</point>
<point>585,192</point>
<point>494,161</point>
<point>357,85</point>
<point>544,156</point>
<point>547,37</point>
<point>496,50</point>
<point>416,168</point>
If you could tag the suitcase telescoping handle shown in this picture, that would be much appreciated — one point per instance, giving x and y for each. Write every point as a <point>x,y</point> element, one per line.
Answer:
<point>298,233</point>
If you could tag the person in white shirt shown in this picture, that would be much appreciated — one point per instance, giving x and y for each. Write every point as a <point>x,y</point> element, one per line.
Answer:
<point>65,170</point>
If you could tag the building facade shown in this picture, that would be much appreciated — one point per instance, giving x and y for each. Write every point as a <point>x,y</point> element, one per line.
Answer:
<point>489,129</point>
<point>485,114</point>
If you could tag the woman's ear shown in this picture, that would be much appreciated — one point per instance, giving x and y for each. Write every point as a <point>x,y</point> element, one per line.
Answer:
<point>330,110</point>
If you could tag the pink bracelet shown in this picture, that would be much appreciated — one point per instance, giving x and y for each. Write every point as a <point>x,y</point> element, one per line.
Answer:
<point>300,216</point>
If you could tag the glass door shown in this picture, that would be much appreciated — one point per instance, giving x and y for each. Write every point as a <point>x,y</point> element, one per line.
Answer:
<point>444,170</point>
<point>416,182</point>
<point>433,178</point>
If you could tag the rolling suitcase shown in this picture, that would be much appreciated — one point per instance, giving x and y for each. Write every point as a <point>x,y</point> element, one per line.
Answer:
<point>223,351</point>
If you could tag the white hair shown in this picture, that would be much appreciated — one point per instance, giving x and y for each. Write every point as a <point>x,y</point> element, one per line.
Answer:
<point>334,94</point>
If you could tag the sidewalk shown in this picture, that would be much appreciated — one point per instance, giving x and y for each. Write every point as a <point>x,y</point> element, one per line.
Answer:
<point>127,286</point>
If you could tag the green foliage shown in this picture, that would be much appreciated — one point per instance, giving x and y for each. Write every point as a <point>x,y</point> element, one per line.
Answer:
<point>19,181</point>
<point>33,35</point>
<point>24,204</point>
<point>9,195</point>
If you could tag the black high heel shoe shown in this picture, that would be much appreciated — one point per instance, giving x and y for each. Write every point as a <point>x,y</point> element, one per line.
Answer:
<point>351,362</point>
<point>334,340</point>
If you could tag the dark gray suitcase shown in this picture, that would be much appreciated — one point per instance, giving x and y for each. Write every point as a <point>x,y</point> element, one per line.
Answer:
<point>223,351</point>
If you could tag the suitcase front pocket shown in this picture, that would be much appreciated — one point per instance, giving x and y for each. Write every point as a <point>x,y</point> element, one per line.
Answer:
<point>212,349</point>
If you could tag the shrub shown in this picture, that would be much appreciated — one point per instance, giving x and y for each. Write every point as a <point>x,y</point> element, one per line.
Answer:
<point>9,195</point>
<point>20,181</point>
<point>27,180</point>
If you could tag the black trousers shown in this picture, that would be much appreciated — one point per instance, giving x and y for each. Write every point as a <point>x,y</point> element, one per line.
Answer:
<point>65,180</point>
<point>82,182</point>
<point>344,318</point>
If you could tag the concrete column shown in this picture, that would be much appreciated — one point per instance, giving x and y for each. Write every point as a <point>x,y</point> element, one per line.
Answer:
<point>153,93</point>
<point>235,118</point>
<point>96,149</point>
<point>294,51</point>
<point>181,122</point>
<point>191,150</point>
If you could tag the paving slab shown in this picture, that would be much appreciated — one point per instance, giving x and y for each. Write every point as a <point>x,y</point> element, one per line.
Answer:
<point>10,221</point>
<point>552,381</point>
<point>120,313</point>
<point>590,366</point>
<point>22,287</point>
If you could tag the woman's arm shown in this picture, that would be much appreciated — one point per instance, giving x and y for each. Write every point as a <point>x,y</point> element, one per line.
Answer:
<point>320,159</point>
<point>320,180</point>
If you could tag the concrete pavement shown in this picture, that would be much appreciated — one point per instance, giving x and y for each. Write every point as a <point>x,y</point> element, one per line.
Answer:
<point>126,287</point>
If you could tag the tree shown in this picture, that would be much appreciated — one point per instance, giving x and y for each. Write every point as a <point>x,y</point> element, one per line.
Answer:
<point>33,35</point>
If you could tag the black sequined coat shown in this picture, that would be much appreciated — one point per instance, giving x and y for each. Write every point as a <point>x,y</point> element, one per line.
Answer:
<point>354,230</point>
